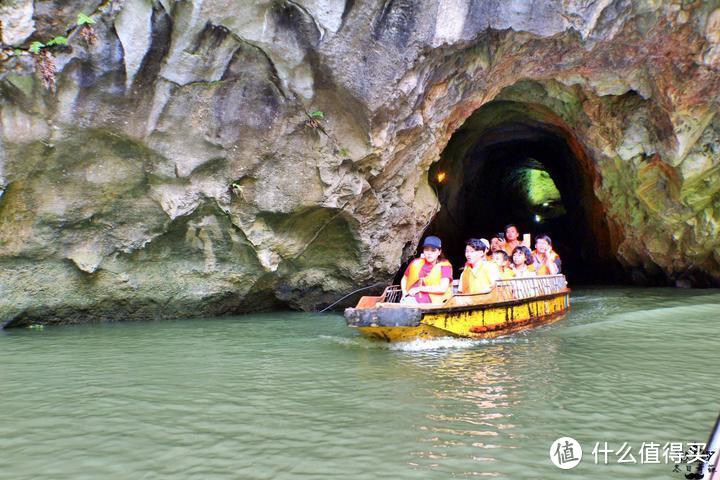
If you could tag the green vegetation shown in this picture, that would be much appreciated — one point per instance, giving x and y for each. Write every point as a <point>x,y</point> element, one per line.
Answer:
<point>57,41</point>
<point>35,47</point>
<point>316,117</point>
<point>540,187</point>
<point>541,194</point>
<point>45,61</point>
<point>83,19</point>
<point>86,30</point>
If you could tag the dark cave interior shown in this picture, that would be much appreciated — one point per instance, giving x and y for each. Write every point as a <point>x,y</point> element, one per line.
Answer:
<point>517,163</point>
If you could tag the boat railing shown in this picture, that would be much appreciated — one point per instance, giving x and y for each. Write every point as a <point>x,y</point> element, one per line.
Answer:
<point>392,294</point>
<point>519,288</point>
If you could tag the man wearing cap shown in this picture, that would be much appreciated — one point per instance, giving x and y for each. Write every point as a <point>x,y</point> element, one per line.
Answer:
<point>428,279</point>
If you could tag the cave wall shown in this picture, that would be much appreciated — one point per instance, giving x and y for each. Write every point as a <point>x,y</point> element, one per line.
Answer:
<point>178,166</point>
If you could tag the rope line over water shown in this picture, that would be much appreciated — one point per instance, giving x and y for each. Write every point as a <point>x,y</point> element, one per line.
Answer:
<point>349,294</point>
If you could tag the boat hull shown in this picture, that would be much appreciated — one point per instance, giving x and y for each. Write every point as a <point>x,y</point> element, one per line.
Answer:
<point>397,323</point>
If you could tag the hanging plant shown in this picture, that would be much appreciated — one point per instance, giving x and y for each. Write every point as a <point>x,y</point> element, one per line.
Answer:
<point>45,66</point>
<point>315,120</point>
<point>45,60</point>
<point>86,28</point>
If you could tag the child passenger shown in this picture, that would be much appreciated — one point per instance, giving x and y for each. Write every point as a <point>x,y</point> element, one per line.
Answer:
<point>480,274</point>
<point>522,262</point>
<point>501,259</point>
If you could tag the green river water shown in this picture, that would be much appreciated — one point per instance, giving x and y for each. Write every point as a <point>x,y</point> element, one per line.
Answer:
<point>299,395</point>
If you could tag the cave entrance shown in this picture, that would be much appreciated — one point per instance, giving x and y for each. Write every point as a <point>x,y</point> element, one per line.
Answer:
<point>518,163</point>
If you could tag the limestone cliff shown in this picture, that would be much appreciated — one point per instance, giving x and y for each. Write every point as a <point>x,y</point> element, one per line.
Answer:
<point>202,157</point>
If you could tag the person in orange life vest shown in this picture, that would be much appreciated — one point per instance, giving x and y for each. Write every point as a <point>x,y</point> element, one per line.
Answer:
<point>501,259</point>
<point>522,262</point>
<point>510,242</point>
<point>428,279</point>
<point>546,261</point>
<point>480,274</point>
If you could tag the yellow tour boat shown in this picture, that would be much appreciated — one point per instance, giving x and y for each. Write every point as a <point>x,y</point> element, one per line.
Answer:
<point>513,305</point>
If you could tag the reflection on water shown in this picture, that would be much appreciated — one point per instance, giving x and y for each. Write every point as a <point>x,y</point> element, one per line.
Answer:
<point>477,387</point>
<point>299,395</point>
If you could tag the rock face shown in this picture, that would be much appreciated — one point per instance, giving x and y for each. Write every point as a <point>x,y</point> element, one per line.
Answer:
<point>216,156</point>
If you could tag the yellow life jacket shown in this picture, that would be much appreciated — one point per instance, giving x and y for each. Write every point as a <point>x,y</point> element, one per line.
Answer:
<point>479,280</point>
<point>543,269</point>
<point>507,273</point>
<point>430,280</point>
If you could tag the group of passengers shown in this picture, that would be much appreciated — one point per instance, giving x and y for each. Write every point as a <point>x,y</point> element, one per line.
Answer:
<point>429,278</point>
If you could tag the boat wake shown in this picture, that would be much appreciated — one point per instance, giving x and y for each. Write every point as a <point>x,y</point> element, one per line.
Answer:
<point>450,343</point>
<point>424,345</point>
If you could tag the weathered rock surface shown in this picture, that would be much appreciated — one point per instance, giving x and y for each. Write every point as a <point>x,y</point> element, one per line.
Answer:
<point>176,170</point>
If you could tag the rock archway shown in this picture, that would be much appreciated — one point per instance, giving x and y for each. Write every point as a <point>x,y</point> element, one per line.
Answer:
<point>515,162</point>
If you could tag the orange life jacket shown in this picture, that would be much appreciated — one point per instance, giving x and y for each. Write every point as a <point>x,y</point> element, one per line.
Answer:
<point>509,249</point>
<point>543,269</point>
<point>480,279</point>
<point>430,280</point>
